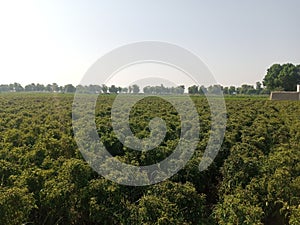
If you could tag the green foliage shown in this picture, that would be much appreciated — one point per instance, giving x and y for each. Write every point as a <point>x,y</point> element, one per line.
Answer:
<point>239,208</point>
<point>255,178</point>
<point>15,205</point>
<point>285,77</point>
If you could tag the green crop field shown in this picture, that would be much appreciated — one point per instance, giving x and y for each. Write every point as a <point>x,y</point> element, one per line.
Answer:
<point>255,178</point>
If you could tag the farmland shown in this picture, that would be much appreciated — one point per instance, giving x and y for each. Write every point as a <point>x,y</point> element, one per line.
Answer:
<point>255,178</point>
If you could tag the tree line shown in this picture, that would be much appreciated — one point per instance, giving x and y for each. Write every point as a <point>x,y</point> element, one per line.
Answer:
<point>135,89</point>
<point>244,89</point>
<point>279,77</point>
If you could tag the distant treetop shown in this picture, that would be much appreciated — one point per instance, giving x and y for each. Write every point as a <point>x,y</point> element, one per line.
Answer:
<point>282,77</point>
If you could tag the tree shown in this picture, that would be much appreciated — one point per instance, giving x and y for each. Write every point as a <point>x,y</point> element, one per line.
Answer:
<point>119,89</point>
<point>135,89</point>
<point>69,88</point>
<point>18,87</point>
<point>113,89</point>
<point>232,90</point>
<point>94,89</point>
<point>54,87</point>
<point>193,89</point>
<point>290,77</point>
<point>271,80</point>
<point>30,87</point>
<point>215,89</point>
<point>226,90</point>
<point>180,89</point>
<point>104,88</point>
<point>40,87</point>
<point>4,88</point>
<point>130,89</point>
<point>48,88</point>
<point>202,90</point>
<point>258,87</point>
<point>285,77</point>
<point>146,90</point>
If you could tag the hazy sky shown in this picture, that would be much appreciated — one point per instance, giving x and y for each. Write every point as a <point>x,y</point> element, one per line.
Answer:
<point>57,40</point>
